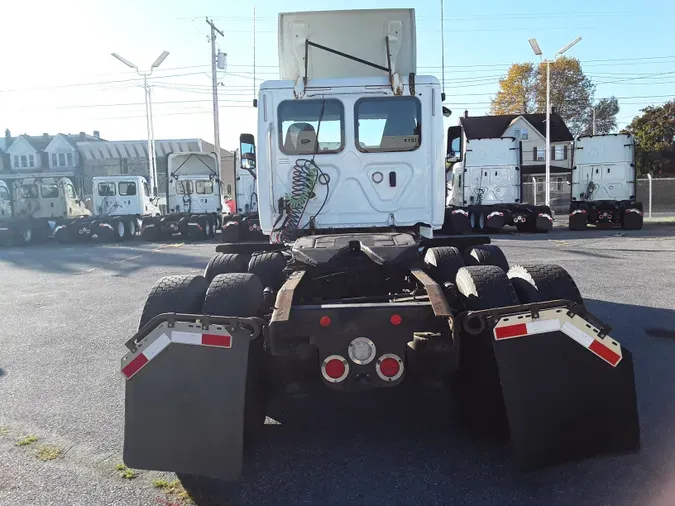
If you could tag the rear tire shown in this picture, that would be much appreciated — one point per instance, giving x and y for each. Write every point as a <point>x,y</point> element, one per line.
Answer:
<point>224,263</point>
<point>235,294</point>
<point>269,267</point>
<point>486,254</point>
<point>443,263</point>
<point>175,294</point>
<point>477,388</point>
<point>542,282</point>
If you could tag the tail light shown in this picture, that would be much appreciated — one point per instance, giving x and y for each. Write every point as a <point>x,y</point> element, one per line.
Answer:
<point>389,367</point>
<point>334,368</point>
<point>361,351</point>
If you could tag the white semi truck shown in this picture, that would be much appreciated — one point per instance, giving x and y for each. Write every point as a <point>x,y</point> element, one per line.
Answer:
<point>243,223</point>
<point>485,186</point>
<point>32,209</point>
<point>121,203</point>
<point>194,199</point>
<point>603,183</point>
<point>353,292</point>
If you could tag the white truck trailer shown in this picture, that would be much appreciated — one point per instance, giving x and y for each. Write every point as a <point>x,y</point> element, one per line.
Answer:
<point>121,203</point>
<point>354,293</point>
<point>194,199</point>
<point>603,183</point>
<point>485,186</point>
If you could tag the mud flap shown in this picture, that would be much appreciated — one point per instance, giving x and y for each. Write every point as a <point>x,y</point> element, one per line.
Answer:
<point>456,221</point>
<point>578,219</point>
<point>544,222</point>
<point>632,219</point>
<point>568,388</point>
<point>495,220</point>
<point>184,406</point>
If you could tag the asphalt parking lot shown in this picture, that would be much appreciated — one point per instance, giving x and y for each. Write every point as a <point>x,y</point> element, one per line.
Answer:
<point>65,312</point>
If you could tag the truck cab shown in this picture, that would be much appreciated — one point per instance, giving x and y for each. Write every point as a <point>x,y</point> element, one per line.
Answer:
<point>48,198</point>
<point>345,144</point>
<point>193,184</point>
<point>123,196</point>
<point>5,202</point>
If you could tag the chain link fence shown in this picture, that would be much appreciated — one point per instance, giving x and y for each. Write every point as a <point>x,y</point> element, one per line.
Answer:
<point>657,194</point>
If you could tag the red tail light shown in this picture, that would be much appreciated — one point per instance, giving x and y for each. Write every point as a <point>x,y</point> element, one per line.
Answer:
<point>396,319</point>
<point>389,367</point>
<point>334,368</point>
<point>324,321</point>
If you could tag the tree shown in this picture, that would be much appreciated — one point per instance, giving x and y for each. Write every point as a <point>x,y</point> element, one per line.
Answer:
<point>606,111</point>
<point>523,91</point>
<point>654,132</point>
<point>516,93</point>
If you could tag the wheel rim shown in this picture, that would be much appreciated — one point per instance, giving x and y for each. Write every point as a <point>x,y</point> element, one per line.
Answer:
<point>132,227</point>
<point>27,235</point>
<point>481,221</point>
<point>472,220</point>
<point>120,229</point>
<point>207,228</point>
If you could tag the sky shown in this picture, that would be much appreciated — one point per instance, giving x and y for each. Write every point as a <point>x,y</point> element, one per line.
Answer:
<point>59,76</point>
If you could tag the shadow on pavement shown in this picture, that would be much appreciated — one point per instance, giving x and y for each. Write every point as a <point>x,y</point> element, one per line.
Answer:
<point>403,446</point>
<point>122,258</point>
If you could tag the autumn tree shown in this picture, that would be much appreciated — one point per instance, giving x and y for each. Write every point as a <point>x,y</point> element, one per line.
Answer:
<point>523,90</point>
<point>654,132</point>
<point>606,110</point>
<point>516,93</point>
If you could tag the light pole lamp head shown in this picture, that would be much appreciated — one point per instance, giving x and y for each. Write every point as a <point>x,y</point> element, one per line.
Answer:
<point>575,41</point>
<point>125,61</point>
<point>535,47</point>
<point>160,59</point>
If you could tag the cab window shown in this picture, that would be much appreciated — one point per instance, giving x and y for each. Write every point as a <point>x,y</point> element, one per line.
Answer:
<point>299,120</point>
<point>127,189</point>
<point>146,189</point>
<point>70,192</point>
<point>389,124</point>
<point>29,191</point>
<point>204,187</point>
<point>49,191</point>
<point>4,194</point>
<point>184,187</point>
<point>106,190</point>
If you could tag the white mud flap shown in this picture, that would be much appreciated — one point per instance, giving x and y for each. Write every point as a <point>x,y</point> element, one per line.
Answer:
<point>185,385</point>
<point>568,387</point>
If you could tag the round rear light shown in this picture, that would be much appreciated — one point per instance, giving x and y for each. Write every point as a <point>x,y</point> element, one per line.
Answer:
<point>396,319</point>
<point>324,321</point>
<point>389,367</point>
<point>334,368</point>
<point>361,351</point>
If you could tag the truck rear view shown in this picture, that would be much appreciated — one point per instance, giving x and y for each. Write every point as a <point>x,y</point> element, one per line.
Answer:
<point>603,183</point>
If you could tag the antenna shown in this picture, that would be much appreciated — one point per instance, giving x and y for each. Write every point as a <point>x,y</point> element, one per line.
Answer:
<point>442,55</point>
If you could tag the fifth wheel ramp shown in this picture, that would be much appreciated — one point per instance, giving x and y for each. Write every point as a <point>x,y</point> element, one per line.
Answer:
<point>568,387</point>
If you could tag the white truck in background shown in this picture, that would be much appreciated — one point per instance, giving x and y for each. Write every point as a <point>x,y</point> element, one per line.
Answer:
<point>485,187</point>
<point>243,222</point>
<point>121,203</point>
<point>32,209</point>
<point>194,199</point>
<point>603,183</point>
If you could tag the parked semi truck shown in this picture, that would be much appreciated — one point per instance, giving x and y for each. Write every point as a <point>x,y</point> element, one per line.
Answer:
<point>603,183</point>
<point>485,185</point>
<point>243,224</point>
<point>354,292</point>
<point>121,203</point>
<point>36,208</point>
<point>194,199</point>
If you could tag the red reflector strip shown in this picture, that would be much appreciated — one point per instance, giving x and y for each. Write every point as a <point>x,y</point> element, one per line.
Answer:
<point>604,353</point>
<point>215,340</point>
<point>511,331</point>
<point>134,366</point>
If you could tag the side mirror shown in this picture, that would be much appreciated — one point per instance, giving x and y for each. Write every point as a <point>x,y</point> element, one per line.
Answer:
<point>454,147</point>
<point>247,151</point>
<point>446,112</point>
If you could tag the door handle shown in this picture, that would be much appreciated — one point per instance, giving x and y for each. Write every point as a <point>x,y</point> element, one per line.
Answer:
<point>392,178</point>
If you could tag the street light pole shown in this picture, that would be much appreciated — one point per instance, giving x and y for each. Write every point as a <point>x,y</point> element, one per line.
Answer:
<point>152,168</point>
<point>537,51</point>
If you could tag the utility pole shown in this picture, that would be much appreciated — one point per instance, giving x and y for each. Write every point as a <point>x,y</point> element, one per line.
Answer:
<point>593,120</point>
<point>214,82</point>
